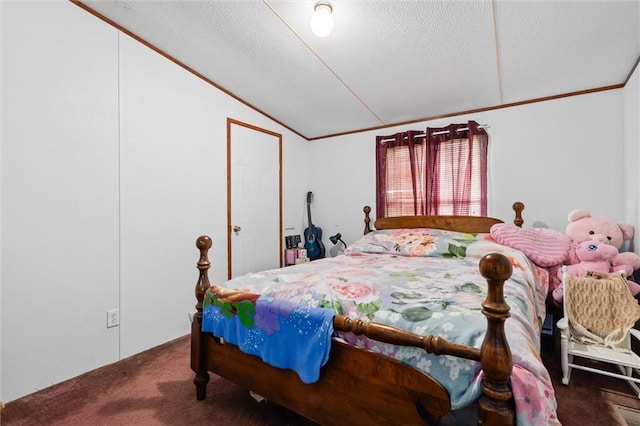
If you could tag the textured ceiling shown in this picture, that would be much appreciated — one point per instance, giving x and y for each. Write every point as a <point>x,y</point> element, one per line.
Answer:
<point>388,62</point>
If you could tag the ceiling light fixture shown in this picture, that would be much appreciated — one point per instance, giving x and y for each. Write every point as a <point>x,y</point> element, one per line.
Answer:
<point>322,20</point>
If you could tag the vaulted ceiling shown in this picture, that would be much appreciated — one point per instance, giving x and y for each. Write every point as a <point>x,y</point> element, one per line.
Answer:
<point>388,62</point>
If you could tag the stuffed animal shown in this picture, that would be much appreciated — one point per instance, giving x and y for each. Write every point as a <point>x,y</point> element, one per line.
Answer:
<point>592,255</point>
<point>583,225</point>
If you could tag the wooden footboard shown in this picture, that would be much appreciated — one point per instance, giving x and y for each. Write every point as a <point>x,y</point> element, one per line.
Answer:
<point>361,387</point>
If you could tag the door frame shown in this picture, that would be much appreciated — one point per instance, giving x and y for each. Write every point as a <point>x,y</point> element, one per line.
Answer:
<point>230,122</point>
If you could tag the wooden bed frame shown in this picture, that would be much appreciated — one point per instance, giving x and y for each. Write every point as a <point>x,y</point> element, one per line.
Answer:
<point>361,387</point>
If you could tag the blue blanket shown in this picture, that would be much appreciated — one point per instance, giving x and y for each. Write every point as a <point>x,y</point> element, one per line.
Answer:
<point>282,334</point>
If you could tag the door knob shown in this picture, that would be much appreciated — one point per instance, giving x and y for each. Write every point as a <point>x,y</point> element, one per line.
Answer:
<point>236,228</point>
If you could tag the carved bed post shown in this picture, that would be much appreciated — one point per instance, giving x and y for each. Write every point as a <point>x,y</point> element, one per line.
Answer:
<point>198,352</point>
<point>518,207</point>
<point>496,404</point>
<point>367,219</point>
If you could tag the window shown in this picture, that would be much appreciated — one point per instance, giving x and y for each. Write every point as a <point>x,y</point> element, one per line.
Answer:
<point>440,172</point>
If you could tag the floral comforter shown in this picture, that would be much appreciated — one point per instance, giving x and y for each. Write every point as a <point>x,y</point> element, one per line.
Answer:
<point>427,281</point>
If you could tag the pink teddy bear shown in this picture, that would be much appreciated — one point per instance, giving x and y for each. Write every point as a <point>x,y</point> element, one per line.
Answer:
<point>592,255</point>
<point>582,225</point>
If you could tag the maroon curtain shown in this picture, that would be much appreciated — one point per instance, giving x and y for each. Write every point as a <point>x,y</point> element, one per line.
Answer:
<point>409,144</point>
<point>452,166</point>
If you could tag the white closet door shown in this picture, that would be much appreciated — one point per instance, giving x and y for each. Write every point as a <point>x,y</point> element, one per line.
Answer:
<point>255,208</point>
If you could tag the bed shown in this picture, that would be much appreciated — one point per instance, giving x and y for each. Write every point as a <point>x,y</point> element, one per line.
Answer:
<point>394,356</point>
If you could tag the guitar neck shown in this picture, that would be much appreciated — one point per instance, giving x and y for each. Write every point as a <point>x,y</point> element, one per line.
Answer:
<point>309,217</point>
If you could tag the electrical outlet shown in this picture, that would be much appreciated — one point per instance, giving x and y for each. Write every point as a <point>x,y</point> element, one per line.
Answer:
<point>113,318</point>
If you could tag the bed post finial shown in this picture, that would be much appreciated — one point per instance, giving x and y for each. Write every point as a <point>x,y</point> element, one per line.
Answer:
<point>367,219</point>
<point>203,243</point>
<point>518,207</point>
<point>198,348</point>
<point>496,403</point>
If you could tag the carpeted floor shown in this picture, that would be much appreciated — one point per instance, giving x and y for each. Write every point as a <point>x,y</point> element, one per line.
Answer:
<point>152,388</point>
<point>156,388</point>
<point>589,398</point>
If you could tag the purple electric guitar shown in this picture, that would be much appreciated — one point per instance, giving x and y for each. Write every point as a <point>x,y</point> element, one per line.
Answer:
<point>313,235</point>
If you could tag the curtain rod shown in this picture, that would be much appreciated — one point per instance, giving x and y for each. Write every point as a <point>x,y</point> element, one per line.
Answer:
<point>443,132</point>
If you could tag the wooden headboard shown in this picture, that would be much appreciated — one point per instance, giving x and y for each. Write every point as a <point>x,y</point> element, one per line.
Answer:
<point>471,224</point>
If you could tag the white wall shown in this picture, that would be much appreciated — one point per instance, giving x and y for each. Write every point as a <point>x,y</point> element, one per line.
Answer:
<point>1,234</point>
<point>174,188</point>
<point>554,156</point>
<point>171,129</point>
<point>59,194</point>
<point>632,153</point>
<point>558,156</point>
<point>113,163</point>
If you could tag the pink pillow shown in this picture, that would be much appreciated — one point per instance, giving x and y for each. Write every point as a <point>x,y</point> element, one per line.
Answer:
<point>544,246</point>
